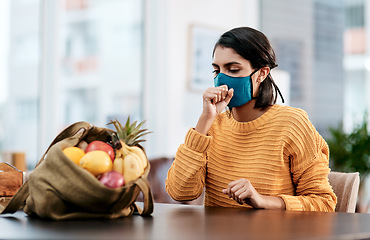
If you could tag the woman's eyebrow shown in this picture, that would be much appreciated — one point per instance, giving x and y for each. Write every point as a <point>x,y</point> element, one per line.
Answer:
<point>232,63</point>
<point>227,64</point>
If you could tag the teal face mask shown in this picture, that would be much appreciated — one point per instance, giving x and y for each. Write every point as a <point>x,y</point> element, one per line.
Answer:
<point>243,88</point>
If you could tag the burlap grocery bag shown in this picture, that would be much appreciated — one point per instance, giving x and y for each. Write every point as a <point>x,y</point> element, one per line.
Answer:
<point>60,189</point>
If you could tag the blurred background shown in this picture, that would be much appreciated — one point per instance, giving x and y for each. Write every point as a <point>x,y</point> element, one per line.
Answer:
<point>63,61</point>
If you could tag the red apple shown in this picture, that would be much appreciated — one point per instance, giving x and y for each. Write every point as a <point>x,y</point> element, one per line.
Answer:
<point>102,146</point>
<point>112,179</point>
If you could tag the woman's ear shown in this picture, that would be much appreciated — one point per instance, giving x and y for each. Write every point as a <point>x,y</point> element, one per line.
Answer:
<point>263,72</point>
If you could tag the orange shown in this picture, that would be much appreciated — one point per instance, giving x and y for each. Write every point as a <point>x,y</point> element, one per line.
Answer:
<point>96,162</point>
<point>74,153</point>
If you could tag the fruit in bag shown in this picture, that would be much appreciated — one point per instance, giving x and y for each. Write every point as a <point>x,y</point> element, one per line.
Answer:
<point>96,162</point>
<point>74,153</point>
<point>100,145</point>
<point>130,159</point>
<point>112,179</point>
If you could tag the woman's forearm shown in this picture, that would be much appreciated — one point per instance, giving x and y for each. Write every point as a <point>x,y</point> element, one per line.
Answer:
<point>271,202</point>
<point>204,124</point>
<point>184,183</point>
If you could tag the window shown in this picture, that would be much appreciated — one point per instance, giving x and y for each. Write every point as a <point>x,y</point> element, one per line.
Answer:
<point>81,61</point>
<point>355,16</point>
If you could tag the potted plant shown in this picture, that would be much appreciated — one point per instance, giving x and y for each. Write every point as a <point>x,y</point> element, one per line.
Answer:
<point>350,152</point>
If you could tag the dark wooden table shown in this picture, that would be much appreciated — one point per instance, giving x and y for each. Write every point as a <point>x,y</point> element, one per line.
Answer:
<point>172,221</point>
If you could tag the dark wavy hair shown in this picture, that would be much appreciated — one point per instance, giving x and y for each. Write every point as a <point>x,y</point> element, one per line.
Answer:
<point>254,46</point>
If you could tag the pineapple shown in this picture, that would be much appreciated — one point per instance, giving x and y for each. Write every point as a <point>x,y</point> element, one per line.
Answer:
<point>130,159</point>
<point>130,133</point>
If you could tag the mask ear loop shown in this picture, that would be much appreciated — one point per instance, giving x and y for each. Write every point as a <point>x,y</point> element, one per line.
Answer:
<point>273,82</point>
<point>276,87</point>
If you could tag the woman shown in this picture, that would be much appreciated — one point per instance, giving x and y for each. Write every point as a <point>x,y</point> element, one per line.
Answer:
<point>257,154</point>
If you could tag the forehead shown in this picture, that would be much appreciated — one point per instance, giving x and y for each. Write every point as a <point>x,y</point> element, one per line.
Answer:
<point>223,55</point>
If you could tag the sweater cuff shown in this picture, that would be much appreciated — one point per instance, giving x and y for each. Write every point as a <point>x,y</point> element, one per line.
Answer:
<point>291,203</point>
<point>197,141</point>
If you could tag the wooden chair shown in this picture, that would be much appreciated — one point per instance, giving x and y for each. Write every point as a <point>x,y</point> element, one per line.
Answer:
<point>345,186</point>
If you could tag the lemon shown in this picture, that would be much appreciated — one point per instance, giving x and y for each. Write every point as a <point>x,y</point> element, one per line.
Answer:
<point>74,153</point>
<point>96,162</point>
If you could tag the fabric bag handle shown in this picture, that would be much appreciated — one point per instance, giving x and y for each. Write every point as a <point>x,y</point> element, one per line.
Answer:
<point>21,195</point>
<point>128,198</point>
<point>144,186</point>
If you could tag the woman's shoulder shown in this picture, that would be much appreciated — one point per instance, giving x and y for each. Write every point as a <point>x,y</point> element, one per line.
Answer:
<point>296,119</point>
<point>291,112</point>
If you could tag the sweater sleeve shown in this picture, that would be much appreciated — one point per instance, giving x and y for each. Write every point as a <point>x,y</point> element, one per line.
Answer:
<point>309,159</point>
<point>186,177</point>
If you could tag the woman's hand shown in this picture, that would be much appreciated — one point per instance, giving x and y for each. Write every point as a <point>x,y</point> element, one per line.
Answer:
<point>242,191</point>
<point>215,100</point>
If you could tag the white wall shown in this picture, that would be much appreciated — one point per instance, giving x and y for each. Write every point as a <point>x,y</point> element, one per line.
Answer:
<point>4,46</point>
<point>170,107</point>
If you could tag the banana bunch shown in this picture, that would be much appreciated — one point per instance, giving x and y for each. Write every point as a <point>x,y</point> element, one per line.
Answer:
<point>130,161</point>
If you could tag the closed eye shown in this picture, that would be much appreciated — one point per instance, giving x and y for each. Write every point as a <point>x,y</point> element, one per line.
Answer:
<point>234,71</point>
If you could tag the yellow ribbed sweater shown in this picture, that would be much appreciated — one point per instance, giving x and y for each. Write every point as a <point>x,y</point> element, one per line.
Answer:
<point>280,153</point>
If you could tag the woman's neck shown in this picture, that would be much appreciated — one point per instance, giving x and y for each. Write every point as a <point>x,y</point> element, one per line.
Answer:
<point>247,112</point>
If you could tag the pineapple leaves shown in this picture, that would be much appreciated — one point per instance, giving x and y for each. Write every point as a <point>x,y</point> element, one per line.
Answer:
<point>130,133</point>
